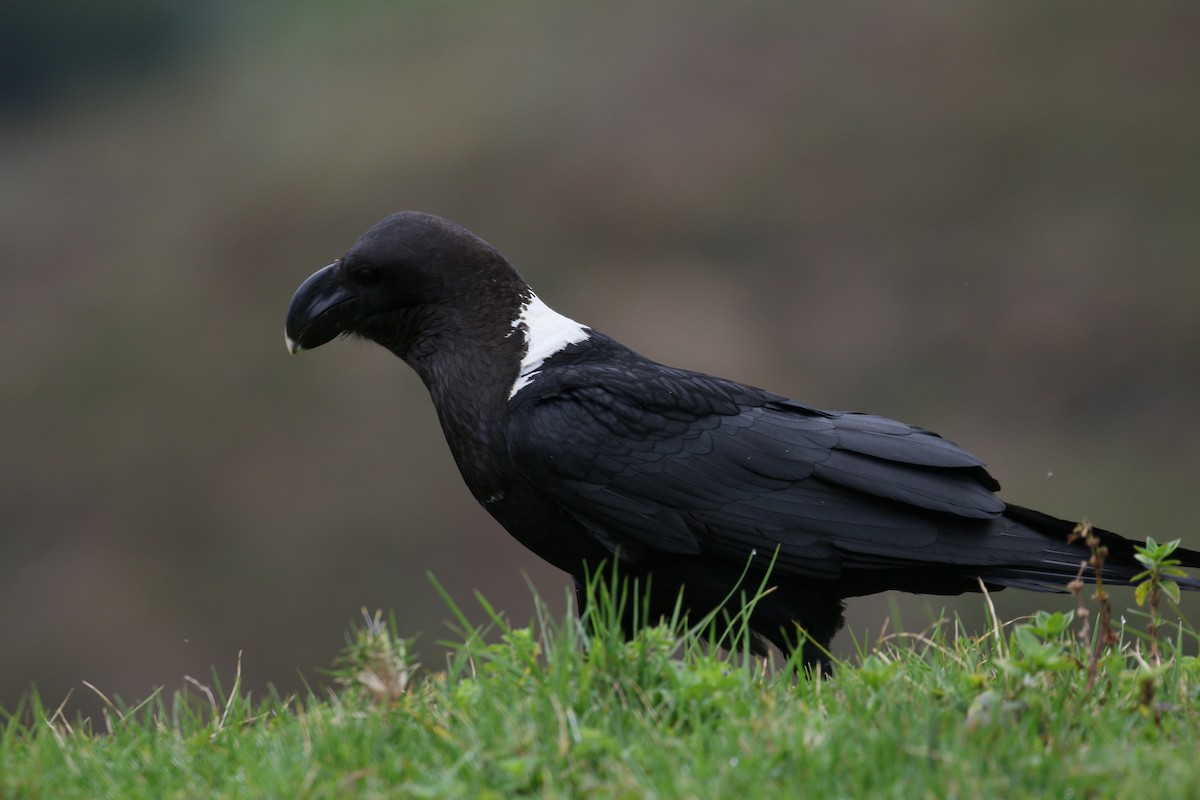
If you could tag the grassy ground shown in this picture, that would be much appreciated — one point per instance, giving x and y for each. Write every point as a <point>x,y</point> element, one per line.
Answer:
<point>563,708</point>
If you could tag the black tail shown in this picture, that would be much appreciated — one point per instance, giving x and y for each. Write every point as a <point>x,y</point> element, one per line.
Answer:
<point>1058,560</point>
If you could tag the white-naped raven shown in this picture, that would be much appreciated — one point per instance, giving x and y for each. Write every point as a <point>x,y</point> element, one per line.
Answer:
<point>589,453</point>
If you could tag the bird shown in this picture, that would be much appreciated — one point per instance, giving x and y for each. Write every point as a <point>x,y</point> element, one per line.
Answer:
<point>693,487</point>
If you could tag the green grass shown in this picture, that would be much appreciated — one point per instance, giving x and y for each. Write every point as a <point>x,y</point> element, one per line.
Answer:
<point>563,708</point>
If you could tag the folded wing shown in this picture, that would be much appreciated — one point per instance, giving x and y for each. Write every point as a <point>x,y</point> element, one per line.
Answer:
<point>686,463</point>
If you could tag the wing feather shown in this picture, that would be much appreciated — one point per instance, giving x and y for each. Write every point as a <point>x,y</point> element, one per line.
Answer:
<point>686,463</point>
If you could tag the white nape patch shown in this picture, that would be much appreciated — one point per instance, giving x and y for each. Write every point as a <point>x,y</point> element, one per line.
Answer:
<point>546,332</point>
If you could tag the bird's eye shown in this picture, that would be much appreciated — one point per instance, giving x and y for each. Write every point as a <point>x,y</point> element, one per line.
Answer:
<point>367,276</point>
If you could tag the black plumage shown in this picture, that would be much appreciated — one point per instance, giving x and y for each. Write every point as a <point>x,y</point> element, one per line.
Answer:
<point>589,453</point>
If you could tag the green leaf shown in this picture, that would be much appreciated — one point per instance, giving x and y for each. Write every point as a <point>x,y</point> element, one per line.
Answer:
<point>1171,590</point>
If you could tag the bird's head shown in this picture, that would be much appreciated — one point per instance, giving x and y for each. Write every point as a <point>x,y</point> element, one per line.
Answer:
<point>409,278</point>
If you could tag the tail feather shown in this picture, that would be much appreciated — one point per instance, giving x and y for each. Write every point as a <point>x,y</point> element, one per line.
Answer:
<point>1060,562</point>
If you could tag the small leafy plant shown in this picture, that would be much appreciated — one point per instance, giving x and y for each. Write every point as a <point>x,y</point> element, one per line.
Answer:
<point>1039,646</point>
<point>1156,581</point>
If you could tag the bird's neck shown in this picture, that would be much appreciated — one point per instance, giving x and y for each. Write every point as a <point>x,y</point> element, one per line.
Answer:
<point>469,384</point>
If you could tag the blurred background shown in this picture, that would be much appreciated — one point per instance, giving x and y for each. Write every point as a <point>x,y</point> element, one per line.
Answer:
<point>981,219</point>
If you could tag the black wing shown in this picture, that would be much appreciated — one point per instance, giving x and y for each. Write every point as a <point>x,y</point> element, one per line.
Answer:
<point>653,458</point>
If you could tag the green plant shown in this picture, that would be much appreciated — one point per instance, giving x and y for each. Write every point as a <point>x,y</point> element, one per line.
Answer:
<point>376,661</point>
<point>1156,581</point>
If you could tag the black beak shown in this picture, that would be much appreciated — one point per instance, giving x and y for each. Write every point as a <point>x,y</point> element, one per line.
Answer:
<point>320,310</point>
